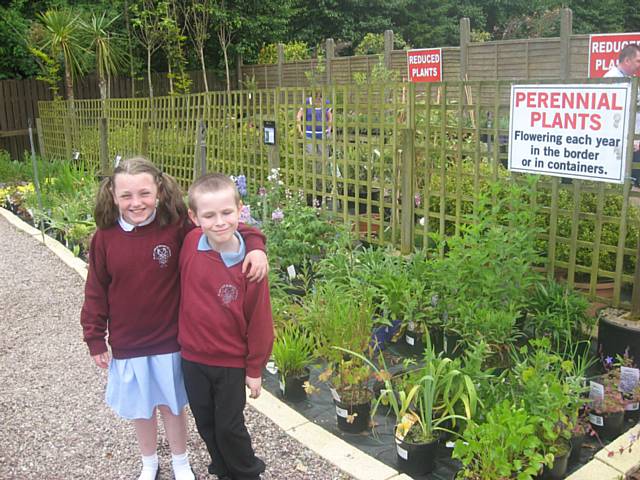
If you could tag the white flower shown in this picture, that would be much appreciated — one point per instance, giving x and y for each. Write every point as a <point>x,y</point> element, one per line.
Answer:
<point>421,221</point>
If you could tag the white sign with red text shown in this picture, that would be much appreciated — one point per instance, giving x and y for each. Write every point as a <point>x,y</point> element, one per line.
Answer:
<point>604,49</point>
<point>577,131</point>
<point>424,65</point>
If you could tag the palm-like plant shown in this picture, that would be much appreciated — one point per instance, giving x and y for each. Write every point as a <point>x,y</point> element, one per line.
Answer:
<point>109,54</point>
<point>62,36</point>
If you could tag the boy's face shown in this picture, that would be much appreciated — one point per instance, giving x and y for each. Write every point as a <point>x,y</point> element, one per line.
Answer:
<point>217,214</point>
<point>135,196</point>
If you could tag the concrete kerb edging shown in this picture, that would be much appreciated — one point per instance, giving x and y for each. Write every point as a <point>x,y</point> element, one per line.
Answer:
<point>344,456</point>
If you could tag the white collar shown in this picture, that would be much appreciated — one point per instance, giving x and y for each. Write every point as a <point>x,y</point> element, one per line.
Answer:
<point>128,227</point>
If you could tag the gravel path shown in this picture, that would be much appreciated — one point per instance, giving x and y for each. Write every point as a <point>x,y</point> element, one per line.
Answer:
<point>54,422</point>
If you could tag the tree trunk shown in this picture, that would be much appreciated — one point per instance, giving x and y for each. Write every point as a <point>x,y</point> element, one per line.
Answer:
<point>68,82</point>
<point>204,70</point>
<point>226,68</point>
<point>149,73</point>
<point>170,77</point>
<point>102,85</point>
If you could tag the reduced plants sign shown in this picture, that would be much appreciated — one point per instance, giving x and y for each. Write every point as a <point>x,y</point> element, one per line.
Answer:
<point>577,131</point>
<point>424,65</point>
<point>604,49</point>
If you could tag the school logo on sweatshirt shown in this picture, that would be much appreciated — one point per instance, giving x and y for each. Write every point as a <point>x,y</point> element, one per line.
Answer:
<point>227,293</point>
<point>161,254</point>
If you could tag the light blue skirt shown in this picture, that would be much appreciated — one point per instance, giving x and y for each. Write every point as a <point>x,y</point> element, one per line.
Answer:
<point>138,385</point>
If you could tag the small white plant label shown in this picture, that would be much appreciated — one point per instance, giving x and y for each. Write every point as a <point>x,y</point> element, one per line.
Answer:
<point>282,386</point>
<point>291,270</point>
<point>402,453</point>
<point>271,367</point>
<point>410,340</point>
<point>596,391</point>
<point>629,378</point>
<point>596,419</point>
<point>334,394</point>
<point>632,407</point>
<point>341,412</point>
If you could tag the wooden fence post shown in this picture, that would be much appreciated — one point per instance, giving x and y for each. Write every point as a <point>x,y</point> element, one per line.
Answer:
<point>388,48</point>
<point>104,147</point>
<point>330,51</point>
<point>280,64</point>
<point>200,157</point>
<point>406,186</point>
<point>144,144</point>
<point>465,38</point>
<point>566,27</point>
<point>40,134</point>
<point>239,72</point>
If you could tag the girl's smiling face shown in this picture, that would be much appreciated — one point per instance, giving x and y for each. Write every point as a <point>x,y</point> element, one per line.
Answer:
<point>136,196</point>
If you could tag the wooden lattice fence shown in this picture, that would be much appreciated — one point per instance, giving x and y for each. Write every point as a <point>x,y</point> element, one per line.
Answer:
<point>401,162</point>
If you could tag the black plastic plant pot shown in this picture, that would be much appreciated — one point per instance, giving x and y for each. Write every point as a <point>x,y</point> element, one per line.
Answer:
<point>292,388</point>
<point>414,341</point>
<point>416,458</point>
<point>632,412</point>
<point>559,467</point>
<point>353,418</point>
<point>437,339</point>
<point>608,426</point>
<point>614,339</point>
<point>452,345</point>
<point>576,448</point>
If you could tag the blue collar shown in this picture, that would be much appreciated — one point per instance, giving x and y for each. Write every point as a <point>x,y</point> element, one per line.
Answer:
<point>229,258</point>
<point>128,227</point>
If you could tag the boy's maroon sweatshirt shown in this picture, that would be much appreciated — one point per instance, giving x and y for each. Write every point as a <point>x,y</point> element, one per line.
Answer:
<point>225,320</point>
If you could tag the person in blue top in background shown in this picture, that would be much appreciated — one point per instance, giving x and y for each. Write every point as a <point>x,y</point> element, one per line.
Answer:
<point>317,119</point>
<point>323,119</point>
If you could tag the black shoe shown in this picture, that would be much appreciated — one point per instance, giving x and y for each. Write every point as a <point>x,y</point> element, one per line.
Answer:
<point>222,475</point>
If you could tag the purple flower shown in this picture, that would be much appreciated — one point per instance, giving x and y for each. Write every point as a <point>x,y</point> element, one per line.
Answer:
<point>418,200</point>
<point>608,361</point>
<point>241,184</point>
<point>277,215</point>
<point>245,214</point>
<point>262,191</point>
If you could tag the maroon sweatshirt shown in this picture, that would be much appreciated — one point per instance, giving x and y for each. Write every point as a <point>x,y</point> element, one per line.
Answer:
<point>133,288</point>
<point>225,320</point>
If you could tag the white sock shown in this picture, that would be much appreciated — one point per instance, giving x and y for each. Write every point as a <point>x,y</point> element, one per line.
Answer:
<point>181,467</point>
<point>149,467</point>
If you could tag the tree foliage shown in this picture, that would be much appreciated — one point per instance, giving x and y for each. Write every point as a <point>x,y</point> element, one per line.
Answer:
<point>222,29</point>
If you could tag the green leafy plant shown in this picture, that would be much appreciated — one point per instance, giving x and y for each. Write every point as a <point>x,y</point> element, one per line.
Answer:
<point>506,445</point>
<point>557,312</point>
<point>293,350</point>
<point>427,400</point>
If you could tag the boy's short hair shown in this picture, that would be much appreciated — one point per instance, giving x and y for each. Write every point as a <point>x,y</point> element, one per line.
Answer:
<point>212,182</point>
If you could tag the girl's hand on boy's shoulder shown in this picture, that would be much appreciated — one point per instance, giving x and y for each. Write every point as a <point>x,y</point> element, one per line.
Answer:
<point>255,385</point>
<point>255,265</point>
<point>102,359</point>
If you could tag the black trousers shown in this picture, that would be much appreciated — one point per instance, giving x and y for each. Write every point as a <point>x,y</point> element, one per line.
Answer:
<point>217,398</point>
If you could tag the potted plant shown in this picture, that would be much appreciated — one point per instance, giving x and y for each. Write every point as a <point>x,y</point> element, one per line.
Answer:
<point>426,403</point>
<point>293,352</point>
<point>495,326</point>
<point>549,387</point>
<point>342,320</point>
<point>557,312</point>
<point>606,414</point>
<point>521,451</point>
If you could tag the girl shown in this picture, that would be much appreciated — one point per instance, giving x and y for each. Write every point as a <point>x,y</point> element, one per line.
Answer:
<point>133,292</point>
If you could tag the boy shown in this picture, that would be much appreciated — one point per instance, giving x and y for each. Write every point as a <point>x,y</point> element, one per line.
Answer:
<point>225,327</point>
